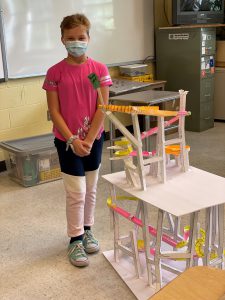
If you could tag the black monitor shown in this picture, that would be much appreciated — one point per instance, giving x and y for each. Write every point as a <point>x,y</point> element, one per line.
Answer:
<point>198,12</point>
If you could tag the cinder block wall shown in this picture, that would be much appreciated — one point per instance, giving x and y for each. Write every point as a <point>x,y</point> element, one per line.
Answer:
<point>23,109</point>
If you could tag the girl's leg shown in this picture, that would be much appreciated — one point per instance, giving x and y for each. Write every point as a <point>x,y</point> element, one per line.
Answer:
<point>75,187</point>
<point>90,198</point>
<point>92,166</point>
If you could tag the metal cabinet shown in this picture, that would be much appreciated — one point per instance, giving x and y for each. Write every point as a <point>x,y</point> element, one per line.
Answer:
<point>185,58</point>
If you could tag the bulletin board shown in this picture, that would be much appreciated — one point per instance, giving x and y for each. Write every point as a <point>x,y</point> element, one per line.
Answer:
<point>122,32</point>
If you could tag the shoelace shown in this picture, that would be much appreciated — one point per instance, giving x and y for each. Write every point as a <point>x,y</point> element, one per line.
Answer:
<point>90,238</point>
<point>78,246</point>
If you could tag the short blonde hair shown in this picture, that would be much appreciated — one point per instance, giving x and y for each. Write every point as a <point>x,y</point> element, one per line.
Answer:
<point>75,20</point>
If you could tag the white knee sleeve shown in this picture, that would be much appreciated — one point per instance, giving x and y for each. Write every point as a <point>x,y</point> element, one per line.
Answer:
<point>90,199</point>
<point>74,183</point>
<point>75,187</point>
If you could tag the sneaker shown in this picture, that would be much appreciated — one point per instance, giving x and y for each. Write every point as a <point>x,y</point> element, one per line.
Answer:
<point>77,255</point>
<point>90,243</point>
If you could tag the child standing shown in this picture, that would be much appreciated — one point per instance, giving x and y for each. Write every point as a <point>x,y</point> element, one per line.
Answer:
<point>78,130</point>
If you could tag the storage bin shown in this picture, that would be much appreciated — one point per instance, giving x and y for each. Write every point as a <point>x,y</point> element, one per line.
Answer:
<point>31,161</point>
<point>133,70</point>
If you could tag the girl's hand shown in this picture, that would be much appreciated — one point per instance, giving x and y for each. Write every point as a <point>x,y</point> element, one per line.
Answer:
<point>81,148</point>
<point>88,143</point>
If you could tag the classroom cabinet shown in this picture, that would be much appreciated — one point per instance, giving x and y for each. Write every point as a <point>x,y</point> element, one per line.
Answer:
<point>185,58</point>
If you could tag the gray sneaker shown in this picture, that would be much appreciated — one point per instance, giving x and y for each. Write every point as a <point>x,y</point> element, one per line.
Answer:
<point>77,255</point>
<point>90,243</point>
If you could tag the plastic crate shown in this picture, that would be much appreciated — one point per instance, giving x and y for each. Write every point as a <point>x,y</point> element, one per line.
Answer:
<point>32,161</point>
<point>133,70</point>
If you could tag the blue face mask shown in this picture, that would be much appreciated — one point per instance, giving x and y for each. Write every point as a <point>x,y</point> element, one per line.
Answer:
<point>76,48</point>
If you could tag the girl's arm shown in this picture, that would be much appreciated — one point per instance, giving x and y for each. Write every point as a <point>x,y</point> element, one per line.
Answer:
<point>98,119</point>
<point>56,117</point>
<point>60,124</point>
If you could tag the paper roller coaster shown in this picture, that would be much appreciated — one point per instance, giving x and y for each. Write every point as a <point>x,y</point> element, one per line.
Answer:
<point>157,159</point>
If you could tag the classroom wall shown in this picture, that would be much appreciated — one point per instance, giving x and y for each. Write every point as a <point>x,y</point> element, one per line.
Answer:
<point>23,109</point>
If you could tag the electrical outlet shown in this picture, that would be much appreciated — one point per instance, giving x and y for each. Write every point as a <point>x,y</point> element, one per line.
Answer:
<point>48,116</point>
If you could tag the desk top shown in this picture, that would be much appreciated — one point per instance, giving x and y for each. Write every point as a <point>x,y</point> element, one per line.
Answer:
<point>197,283</point>
<point>124,86</point>
<point>149,97</point>
<point>181,194</point>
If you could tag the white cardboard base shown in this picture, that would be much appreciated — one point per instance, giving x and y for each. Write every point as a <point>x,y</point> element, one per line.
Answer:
<point>125,269</point>
<point>139,286</point>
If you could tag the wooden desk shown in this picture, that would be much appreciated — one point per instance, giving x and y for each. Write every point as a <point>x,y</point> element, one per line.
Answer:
<point>149,97</point>
<point>182,194</point>
<point>198,283</point>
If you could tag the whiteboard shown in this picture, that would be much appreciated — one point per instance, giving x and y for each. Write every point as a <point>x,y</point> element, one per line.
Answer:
<point>122,31</point>
<point>2,65</point>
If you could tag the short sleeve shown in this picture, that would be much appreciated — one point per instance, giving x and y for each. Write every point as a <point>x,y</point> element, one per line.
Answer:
<point>51,81</point>
<point>105,78</point>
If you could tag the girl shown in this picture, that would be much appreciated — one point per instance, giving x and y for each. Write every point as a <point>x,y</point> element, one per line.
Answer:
<point>77,126</point>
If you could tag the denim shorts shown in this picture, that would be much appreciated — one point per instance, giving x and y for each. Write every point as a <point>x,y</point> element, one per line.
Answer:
<point>72,164</point>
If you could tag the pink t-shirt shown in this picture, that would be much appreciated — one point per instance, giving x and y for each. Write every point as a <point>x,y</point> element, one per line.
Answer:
<point>77,96</point>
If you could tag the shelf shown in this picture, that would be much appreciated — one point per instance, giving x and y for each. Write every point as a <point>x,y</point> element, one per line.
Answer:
<point>193,26</point>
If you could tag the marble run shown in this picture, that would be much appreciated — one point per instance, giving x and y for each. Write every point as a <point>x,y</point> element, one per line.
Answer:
<point>177,243</point>
<point>166,252</point>
<point>136,173</point>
